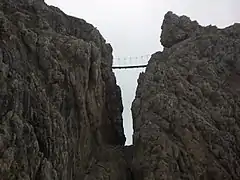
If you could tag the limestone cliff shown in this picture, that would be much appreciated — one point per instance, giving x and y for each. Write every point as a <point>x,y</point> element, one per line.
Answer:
<point>60,107</point>
<point>187,107</point>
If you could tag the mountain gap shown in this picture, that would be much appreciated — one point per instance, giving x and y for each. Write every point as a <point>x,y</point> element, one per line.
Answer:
<point>61,108</point>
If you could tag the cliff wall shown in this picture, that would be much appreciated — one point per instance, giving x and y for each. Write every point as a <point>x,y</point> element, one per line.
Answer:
<point>186,113</point>
<point>60,107</point>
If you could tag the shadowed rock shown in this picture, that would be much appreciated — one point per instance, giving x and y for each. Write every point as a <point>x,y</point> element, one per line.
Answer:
<point>60,107</point>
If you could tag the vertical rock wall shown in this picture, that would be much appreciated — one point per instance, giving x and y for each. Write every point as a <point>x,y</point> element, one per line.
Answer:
<point>60,107</point>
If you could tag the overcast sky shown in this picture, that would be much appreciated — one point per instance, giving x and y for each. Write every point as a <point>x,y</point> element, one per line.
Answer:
<point>133,28</point>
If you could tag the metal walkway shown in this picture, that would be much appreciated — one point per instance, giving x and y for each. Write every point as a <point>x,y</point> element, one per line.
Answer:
<point>129,67</point>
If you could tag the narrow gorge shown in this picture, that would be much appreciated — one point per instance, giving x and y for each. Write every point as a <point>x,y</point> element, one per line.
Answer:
<point>61,108</point>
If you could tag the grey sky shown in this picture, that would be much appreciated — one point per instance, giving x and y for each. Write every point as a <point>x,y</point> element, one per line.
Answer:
<point>133,29</point>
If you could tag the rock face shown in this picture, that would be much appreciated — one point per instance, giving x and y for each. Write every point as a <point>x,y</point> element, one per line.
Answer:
<point>60,107</point>
<point>187,107</point>
<point>61,110</point>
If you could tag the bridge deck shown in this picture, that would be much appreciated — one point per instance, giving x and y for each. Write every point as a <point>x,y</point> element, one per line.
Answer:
<point>129,67</point>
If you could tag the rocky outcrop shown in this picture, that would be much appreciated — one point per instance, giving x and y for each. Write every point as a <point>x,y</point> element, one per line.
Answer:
<point>187,107</point>
<point>61,110</point>
<point>60,107</point>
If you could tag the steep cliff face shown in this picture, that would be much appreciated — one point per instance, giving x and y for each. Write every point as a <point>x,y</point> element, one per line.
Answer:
<point>187,107</point>
<point>60,107</point>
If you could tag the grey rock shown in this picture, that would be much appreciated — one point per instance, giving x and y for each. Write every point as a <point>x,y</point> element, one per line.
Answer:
<point>186,111</point>
<point>60,106</point>
<point>61,109</point>
<point>176,29</point>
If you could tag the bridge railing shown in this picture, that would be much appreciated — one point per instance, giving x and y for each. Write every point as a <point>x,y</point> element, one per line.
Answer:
<point>131,62</point>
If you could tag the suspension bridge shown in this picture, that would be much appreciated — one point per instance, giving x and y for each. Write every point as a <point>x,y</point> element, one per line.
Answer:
<point>131,62</point>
